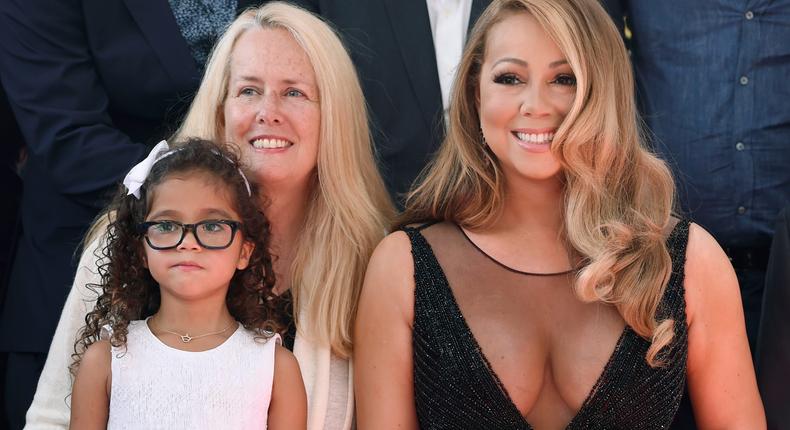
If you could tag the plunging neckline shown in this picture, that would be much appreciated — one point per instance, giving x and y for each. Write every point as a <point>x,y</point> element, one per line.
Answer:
<point>470,337</point>
<point>505,266</point>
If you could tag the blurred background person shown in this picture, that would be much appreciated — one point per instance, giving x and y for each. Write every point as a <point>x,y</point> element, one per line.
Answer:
<point>772,355</point>
<point>712,88</point>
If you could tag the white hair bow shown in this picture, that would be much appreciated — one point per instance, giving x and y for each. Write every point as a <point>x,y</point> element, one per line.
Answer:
<point>136,177</point>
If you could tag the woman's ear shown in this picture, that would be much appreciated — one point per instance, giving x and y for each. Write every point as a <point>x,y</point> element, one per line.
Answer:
<point>244,255</point>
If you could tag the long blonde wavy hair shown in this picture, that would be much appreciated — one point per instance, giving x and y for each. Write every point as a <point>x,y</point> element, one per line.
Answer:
<point>348,209</point>
<point>618,197</point>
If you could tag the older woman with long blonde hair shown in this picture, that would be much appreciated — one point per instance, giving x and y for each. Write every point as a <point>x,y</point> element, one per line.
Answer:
<point>281,87</point>
<point>540,279</point>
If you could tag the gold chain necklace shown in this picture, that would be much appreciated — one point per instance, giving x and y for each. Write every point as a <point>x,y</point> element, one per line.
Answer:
<point>186,338</point>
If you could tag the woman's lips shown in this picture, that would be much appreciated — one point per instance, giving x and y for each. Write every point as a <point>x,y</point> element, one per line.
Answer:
<point>270,143</point>
<point>537,141</point>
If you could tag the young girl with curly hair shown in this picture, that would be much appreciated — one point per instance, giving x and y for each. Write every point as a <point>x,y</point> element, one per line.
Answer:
<point>183,332</point>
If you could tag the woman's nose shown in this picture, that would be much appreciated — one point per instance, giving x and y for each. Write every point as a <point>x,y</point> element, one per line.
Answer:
<point>269,110</point>
<point>534,103</point>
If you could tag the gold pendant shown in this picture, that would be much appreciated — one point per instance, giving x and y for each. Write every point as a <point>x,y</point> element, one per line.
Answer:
<point>186,338</point>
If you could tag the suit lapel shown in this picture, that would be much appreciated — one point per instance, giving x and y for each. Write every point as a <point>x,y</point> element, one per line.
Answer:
<point>412,29</point>
<point>159,27</point>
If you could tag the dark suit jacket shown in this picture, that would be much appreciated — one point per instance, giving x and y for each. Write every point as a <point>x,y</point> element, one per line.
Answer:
<point>10,149</point>
<point>392,48</point>
<point>772,356</point>
<point>93,84</point>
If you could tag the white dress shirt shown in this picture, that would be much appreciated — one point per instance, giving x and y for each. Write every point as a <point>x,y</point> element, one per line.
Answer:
<point>449,21</point>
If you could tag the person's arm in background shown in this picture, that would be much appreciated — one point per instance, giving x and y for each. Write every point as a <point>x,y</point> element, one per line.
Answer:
<point>51,404</point>
<point>58,98</point>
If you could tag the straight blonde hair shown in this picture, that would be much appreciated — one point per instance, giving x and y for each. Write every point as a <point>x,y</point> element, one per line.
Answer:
<point>348,207</point>
<point>618,196</point>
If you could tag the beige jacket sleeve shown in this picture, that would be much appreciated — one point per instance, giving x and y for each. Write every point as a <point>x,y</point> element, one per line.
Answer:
<point>51,405</point>
<point>329,384</point>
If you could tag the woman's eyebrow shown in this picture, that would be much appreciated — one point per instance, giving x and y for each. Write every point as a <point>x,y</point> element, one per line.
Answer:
<point>513,60</point>
<point>523,63</point>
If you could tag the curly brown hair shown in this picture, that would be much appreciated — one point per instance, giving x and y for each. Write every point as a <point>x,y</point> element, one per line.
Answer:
<point>129,292</point>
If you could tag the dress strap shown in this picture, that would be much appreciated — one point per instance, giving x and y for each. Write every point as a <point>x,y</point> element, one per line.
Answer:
<point>419,227</point>
<point>673,303</point>
<point>677,242</point>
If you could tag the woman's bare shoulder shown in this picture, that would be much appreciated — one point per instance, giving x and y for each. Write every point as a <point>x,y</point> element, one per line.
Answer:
<point>390,275</point>
<point>710,280</point>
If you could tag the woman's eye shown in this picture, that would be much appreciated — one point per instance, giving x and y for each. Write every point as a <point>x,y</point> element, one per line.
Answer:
<point>248,92</point>
<point>567,80</point>
<point>293,92</point>
<point>507,79</point>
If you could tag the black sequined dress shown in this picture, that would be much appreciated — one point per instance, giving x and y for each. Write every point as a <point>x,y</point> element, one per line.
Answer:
<point>455,386</point>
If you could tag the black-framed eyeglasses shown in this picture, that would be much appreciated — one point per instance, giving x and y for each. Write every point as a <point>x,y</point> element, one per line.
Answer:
<point>210,233</point>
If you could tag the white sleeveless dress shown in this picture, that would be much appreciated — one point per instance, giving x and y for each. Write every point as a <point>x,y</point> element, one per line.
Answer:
<point>155,386</point>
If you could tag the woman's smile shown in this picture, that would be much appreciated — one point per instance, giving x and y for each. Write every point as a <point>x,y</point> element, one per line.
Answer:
<point>534,140</point>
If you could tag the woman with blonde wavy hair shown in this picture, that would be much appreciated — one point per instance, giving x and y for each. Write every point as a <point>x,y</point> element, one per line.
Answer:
<point>280,86</point>
<point>539,279</point>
